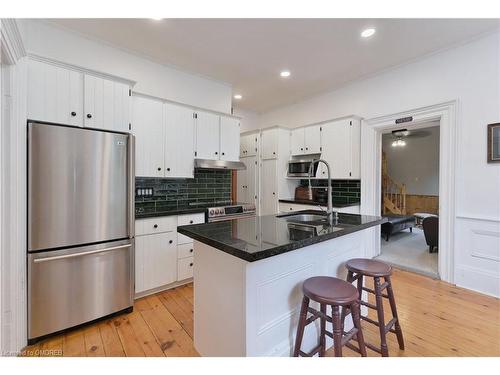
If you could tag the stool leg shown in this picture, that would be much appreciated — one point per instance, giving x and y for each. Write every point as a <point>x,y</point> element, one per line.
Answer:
<point>301,326</point>
<point>337,331</point>
<point>344,308</point>
<point>380,315</point>
<point>322,335</point>
<point>392,301</point>
<point>356,312</point>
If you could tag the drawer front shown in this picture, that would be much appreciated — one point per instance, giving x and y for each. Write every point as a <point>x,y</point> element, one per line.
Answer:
<point>155,225</point>
<point>185,268</point>
<point>185,250</point>
<point>188,220</point>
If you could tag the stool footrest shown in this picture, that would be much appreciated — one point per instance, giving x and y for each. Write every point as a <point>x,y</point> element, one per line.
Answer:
<point>365,318</point>
<point>388,327</point>
<point>312,352</point>
<point>373,292</point>
<point>349,335</point>
<point>371,306</point>
<point>317,314</point>
<point>353,348</point>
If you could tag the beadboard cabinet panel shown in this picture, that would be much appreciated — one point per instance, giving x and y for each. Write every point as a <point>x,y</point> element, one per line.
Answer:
<point>229,138</point>
<point>207,135</point>
<point>149,131</point>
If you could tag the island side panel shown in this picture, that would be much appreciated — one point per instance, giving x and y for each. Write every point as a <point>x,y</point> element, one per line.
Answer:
<point>219,302</point>
<point>274,293</point>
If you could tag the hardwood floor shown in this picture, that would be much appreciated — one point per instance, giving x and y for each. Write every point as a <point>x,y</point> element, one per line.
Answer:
<point>437,318</point>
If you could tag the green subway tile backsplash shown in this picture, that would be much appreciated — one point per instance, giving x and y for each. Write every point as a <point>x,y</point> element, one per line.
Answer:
<point>343,191</point>
<point>207,186</point>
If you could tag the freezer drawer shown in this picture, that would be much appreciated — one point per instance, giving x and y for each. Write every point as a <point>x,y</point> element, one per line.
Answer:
<point>73,286</point>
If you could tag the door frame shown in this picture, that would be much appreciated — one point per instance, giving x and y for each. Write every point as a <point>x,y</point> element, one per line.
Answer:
<point>371,170</point>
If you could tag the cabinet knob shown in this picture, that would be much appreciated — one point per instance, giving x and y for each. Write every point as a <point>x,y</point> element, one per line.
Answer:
<point>73,114</point>
<point>170,241</point>
<point>223,153</point>
<point>323,172</point>
<point>89,115</point>
<point>190,250</point>
<point>307,148</point>
<point>216,153</point>
<point>190,264</point>
<point>274,193</point>
<point>159,168</point>
<point>155,226</point>
<point>168,169</point>
<point>274,153</point>
<point>301,149</point>
<point>291,208</point>
<point>190,221</point>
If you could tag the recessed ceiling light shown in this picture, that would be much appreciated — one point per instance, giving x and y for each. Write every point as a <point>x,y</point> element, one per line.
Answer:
<point>157,19</point>
<point>238,96</point>
<point>368,32</point>
<point>285,73</point>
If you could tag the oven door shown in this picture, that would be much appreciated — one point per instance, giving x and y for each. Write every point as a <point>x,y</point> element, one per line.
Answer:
<point>300,168</point>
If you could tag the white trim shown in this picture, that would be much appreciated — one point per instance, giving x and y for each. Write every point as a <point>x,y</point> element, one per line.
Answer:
<point>12,44</point>
<point>371,166</point>
<point>481,218</point>
<point>81,69</point>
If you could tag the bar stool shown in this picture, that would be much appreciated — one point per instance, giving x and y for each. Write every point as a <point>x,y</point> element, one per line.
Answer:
<point>357,270</point>
<point>329,291</point>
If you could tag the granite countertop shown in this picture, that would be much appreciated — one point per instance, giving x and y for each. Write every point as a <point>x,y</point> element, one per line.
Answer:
<point>313,203</point>
<point>167,211</point>
<point>261,237</point>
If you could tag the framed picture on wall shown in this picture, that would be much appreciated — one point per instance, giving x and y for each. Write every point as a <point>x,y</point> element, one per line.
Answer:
<point>494,143</point>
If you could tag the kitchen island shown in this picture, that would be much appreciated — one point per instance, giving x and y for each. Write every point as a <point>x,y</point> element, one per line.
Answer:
<point>248,275</point>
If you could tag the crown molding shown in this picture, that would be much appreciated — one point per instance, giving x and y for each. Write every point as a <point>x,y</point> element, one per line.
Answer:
<point>12,43</point>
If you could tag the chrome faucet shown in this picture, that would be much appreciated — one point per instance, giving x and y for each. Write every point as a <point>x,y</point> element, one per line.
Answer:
<point>331,215</point>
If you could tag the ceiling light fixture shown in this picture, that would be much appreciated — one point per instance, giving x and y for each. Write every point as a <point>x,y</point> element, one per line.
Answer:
<point>157,19</point>
<point>238,96</point>
<point>398,143</point>
<point>368,32</point>
<point>285,73</point>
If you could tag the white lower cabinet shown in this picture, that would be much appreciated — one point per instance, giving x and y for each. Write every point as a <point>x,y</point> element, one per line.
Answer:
<point>163,256</point>
<point>155,260</point>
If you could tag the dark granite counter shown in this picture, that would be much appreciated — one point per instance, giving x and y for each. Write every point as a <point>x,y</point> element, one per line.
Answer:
<point>313,203</point>
<point>261,237</point>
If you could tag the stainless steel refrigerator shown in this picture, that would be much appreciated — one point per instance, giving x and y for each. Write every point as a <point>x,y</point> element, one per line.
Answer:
<point>80,226</point>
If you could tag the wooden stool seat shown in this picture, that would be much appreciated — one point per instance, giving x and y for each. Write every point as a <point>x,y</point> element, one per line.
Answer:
<point>358,269</point>
<point>337,293</point>
<point>369,267</point>
<point>330,290</point>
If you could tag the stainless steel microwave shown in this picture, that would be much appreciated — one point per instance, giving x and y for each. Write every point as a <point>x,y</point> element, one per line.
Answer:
<point>300,168</point>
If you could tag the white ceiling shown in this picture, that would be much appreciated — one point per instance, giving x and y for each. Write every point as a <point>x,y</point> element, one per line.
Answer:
<point>321,54</point>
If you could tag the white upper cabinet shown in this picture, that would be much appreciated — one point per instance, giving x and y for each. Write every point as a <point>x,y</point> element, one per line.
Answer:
<point>306,140</point>
<point>106,104</point>
<point>55,94</point>
<point>149,131</point>
<point>270,143</point>
<point>248,144</point>
<point>207,135</point>
<point>179,146</point>
<point>340,142</point>
<point>229,138</point>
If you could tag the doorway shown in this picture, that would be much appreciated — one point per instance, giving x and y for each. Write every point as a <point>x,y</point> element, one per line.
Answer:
<point>410,198</point>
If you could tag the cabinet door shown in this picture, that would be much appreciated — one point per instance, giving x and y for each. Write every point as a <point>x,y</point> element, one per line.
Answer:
<point>148,128</point>
<point>179,146</point>
<point>207,136</point>
<point>270,144</point>
<point>106,104</point>
<point>312,136</point>
<point>335,140</point>
<point>297,141</point>
<point>229,139</point>
<point>251,181</point>
<point>241,181</point>
<point>55,94</point>
<point>160,260</point>
<point>248,145</point>
<point>157,258</point>
<point>269,192</point>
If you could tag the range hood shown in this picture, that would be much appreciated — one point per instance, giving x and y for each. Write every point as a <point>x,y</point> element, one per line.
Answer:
<point>219,164</point>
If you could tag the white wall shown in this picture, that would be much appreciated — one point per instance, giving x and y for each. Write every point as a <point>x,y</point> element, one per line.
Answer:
<point>469,74</point>
<point>417,164</point>
<point>249,119</point>
<point>154,79</point>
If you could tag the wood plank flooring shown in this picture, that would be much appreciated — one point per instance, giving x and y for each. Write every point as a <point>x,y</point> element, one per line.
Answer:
<point>438,319</point>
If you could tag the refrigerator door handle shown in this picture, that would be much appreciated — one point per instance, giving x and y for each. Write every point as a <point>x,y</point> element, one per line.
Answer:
<point>48,259</point>
<point>131,185</point>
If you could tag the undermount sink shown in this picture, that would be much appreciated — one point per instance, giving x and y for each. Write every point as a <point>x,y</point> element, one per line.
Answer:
<point>307,217</point>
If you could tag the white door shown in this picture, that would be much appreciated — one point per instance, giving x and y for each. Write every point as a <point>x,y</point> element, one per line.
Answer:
<point>252,181</point>
<point>297,141</point>
<point>335,139</point>
<point>179,146</point>
<point>148,128</point>
<point>229,139</point>
<point>55,94</point>
<point>207,136</point>
<point>159,259</point>
<point>269,188</point>
<point>241,181</point>
<point>106,104</point>
<point>312,137</point>
<point>270,144</point>
<point>251,144</point>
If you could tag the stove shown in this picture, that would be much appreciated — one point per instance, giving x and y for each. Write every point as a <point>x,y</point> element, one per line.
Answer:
<point>229,210</point>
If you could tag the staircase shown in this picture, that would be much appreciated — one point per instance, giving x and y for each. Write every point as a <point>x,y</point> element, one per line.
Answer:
<point>393,193</point>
